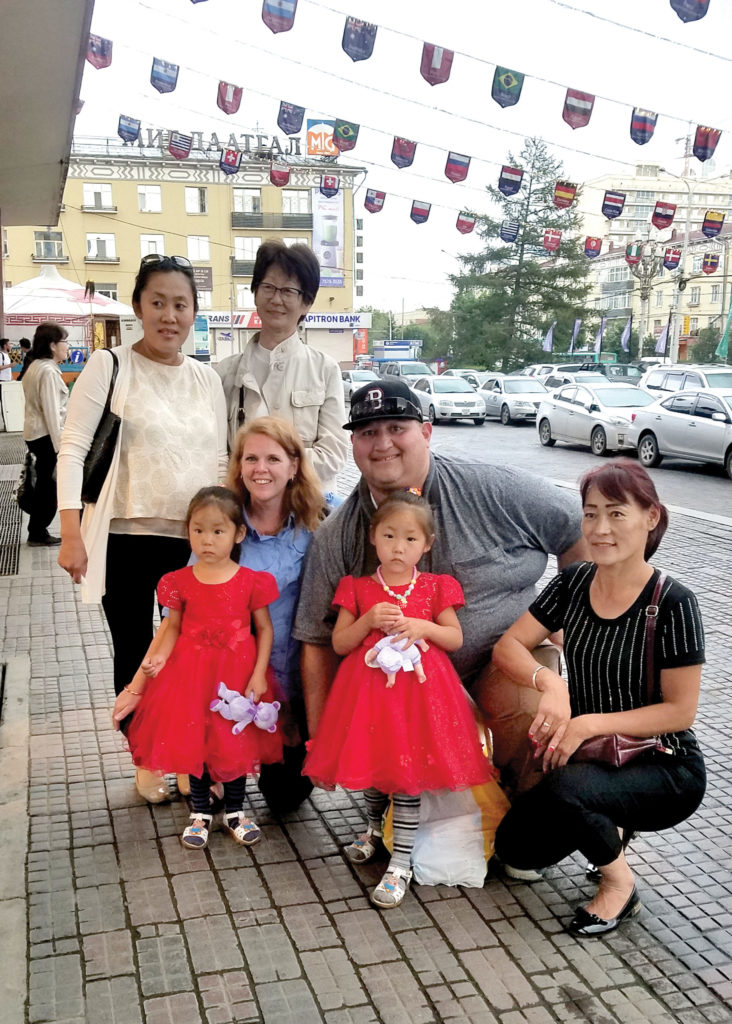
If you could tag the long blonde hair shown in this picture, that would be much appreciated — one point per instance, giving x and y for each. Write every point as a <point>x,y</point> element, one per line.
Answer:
<point>304,497</point>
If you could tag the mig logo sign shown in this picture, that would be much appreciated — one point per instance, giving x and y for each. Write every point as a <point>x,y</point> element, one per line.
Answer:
<point>320,138</point>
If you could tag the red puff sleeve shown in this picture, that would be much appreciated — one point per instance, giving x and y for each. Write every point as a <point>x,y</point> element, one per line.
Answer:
<point>169,594</point>
<point>449,594</point>
<point>264,590</point>
<point>345,595</point>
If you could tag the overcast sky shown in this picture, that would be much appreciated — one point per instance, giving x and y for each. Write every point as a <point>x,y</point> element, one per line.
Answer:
<point>556,44</point>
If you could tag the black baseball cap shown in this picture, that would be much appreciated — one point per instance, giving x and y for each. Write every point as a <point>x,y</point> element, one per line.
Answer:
<point>382,400</point>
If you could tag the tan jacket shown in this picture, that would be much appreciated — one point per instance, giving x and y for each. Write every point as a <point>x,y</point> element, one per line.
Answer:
<point>46,398</point>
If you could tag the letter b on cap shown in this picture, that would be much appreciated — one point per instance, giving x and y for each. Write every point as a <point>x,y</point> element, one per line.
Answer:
<point>375,397</point>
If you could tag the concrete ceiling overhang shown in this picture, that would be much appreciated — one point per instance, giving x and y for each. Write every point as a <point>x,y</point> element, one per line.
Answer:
<point>42,48</point>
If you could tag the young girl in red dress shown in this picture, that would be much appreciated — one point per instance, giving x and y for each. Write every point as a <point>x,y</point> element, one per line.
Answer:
<point>411,737</point>
<point>208,640</point>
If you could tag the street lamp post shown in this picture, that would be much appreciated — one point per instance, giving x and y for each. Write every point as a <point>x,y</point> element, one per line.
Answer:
<point>645,272</point>
<point>683,276</point>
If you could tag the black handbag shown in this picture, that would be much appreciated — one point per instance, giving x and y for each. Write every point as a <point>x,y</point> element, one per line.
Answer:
<point>25,492</point>
<point>100,454</point>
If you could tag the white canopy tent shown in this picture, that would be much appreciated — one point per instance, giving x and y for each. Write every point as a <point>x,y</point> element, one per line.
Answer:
<point>51,295</point>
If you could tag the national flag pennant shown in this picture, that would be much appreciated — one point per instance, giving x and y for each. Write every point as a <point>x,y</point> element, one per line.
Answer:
<point>548,343</point>
<point>402,152</point>
<point>633,253</point>
<point>710,262</point>
<point>230,161</point>
<point>128,128</point>
<point>612,204</point>
<point>642,125</point>
<point>179,145</point>
<point>509,230</point>
<point>456,167</point>
<point>663,215</point>
<point>279,173</point>
<point>358,39</point>
<point>329,185</point>
<point>713,222</point>
<point>599,336</point>
<point>279,15</point>
<point>690,10</point>
<point>671,258</point>
<point>289,118</point>
<point>163,76</point>
<point>575,334</point>
<point>345,134</point>
<point>564,193</point>
<point>465,223</point>
<point>593,247</point>
<point>578,108</point>
<point>374,201</point>
<point>228,97</point>
<point>625,336</point>
<point>436,64</point>
<point>509,181</point>
<point>507,86</point>
<point>420,211</point>
<point>705,142</point>
<point>552,239</point>
<point>99,52</point>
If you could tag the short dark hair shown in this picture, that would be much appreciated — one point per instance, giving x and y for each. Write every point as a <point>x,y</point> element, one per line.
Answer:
<point>415,502</point>
<point>623,480</point>
<point>224,499</point>
<point>47,333</point>
<point>163,266</point>
<point>298,261</point>
<point>4,342</point>
<point>25,343</point>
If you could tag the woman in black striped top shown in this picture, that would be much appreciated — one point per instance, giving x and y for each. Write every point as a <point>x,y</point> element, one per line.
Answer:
<point>601,607</point>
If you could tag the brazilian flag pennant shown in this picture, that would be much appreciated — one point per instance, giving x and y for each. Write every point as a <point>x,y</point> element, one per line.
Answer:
<point>507,86</point>
<point>345,134</point>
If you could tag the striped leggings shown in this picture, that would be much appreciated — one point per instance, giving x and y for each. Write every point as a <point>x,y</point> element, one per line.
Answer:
<point>406,820</point>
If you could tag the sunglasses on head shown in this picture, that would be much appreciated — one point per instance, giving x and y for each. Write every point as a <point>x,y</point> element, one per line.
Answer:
<point>383,408</point>
<point>156,257</point>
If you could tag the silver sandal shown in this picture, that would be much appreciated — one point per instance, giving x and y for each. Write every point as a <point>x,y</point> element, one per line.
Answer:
<point>365,847</point>
<point>392,888</point>
<point>195,837</point>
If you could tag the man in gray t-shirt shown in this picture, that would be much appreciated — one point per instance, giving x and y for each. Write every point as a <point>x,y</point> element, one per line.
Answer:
<point>495,527</point>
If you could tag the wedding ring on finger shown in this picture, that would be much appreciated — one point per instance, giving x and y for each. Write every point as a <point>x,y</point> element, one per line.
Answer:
<point>545,725</point>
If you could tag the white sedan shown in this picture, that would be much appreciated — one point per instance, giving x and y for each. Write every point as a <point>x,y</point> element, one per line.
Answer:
<point>512,398</point>
<point>355,379</point>
<point>448,398</point>
<point>598,415</point>
<point>695,425</point>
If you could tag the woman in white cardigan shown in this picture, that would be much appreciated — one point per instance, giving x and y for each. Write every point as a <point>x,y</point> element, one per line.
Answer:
<point>172,441</point>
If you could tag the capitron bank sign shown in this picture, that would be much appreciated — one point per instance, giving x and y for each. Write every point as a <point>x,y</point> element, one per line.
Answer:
<point>318,141</point>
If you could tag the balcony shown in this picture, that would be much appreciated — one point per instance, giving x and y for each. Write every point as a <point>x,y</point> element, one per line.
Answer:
<point>101,259</point>
<point>98,209</point>
<point>273,221</point>
<point>241,268</point>
<point>50,259</point>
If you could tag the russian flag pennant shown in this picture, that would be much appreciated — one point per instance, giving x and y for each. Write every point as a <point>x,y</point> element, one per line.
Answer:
<point>279,173</point>
<point>164,76</point>
<point>663,215</point>
<point>402,152</point>
<point>99,52</point>
<point>705,142</point>
<point>710,262</point>
<point>642,125</point>
<point>509,230</point>
<point>456,167</point>
<point>671,258</point>
<point>289,119</point>
<point>612,204</point>
<point>358,39</point>
<point>690,10</point>
<point>279,15</point>
<point>593,247</point>
<point>179,145</point>
<point>329,185</point>
<point>345,134</point>
<point>552,239</point>
<point>436,64</point>
<point>633,253</point>
<point>564,193</point>
<point>578,108</point>
<point>228,97</point>
<point>507,86</point>
<point>230,161</point>
<point>128,128</point>
<point>420,211</point>
<point>374,201</point>
<point>509,181</point>
<point>465,223</point>
<point>713,222</point>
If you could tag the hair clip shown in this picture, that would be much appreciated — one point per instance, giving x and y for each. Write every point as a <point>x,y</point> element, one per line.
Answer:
<point>414,490</point>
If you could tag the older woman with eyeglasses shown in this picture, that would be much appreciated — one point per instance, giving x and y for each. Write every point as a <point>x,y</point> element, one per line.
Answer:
<point>172,441</point>
<point>277,374</point>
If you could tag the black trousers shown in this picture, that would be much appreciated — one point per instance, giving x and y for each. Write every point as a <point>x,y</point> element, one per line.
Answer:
<point>134,567</point>
<point>45,501</point>
<point>581,806</point>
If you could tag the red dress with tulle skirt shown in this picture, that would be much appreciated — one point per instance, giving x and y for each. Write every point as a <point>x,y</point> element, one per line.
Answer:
<point>412,737</point>
<point>173,729</point>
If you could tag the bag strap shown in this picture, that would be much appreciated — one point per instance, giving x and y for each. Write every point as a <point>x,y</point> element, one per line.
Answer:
<point>651,617</point>
<point>240,415</point>
<point>113,381</point>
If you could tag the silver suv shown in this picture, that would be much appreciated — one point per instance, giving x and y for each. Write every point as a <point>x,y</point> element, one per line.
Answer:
<point>409,370</point>
<point>679,376</point>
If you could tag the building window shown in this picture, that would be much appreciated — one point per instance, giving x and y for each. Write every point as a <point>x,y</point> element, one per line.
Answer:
<point>101,247</point>
<point>693,325</point>
<point>247,200</point>
<point>6,251</point>
<point>697,265</point>
<point>149,199</point>
<point>196,200</point>
<point>695,294</point>
<point>244,297</point>
<point>359,275</point>
<point>245,247</point>
<point>152,243</point>
<point>359,290</point>
<point>618,274</point>
<point>659,298</point>
<point>296,200</point>
<point>359,257</point>
<point>359,224</point>
<point>295,240</point>
<point>205,300</point>
<point>198,247</point>
<point>97,195</point>
<point>49,245</point>
<point>359,241</point>
<point>656,325</point>
<point>109,290</point>
<point>716,289</point>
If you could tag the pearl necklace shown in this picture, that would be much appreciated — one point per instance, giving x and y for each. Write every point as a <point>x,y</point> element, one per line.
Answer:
<point>400,598</point>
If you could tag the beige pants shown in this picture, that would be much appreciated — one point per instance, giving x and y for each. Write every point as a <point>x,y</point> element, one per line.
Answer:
<point>508,710</point>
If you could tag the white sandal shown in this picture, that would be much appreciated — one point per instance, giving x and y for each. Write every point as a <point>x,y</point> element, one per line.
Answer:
<point>195,837</point>
<point>365,847</point>
<point>392,888</point>
<point>241,829</point>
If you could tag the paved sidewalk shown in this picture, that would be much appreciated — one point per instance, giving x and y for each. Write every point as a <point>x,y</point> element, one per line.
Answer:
<point>105,918</point>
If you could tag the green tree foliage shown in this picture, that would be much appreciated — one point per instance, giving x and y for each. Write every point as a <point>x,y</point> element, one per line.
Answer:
<point>436,335</point>
<point>383,325</point>
<point>704,349</point>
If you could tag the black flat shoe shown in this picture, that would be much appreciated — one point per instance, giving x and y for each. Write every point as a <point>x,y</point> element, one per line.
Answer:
<point>586,924</point>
